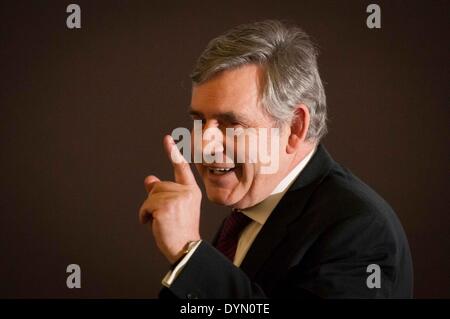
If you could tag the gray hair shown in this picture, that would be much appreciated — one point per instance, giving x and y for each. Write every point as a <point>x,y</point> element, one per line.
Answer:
<point>289,60</point>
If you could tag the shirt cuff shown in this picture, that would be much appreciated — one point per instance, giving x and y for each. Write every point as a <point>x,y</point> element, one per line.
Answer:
<point>170,277</point>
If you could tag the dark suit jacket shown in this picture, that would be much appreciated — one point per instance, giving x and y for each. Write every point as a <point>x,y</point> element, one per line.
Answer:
<point>318,242</point>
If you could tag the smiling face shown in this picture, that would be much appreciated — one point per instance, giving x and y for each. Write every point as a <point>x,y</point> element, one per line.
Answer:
<point>231,100</point>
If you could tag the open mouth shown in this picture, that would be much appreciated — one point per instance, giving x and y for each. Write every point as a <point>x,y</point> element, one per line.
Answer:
<point>220,170</point>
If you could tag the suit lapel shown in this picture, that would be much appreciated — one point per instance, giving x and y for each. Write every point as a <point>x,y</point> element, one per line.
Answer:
<point>288,209</point>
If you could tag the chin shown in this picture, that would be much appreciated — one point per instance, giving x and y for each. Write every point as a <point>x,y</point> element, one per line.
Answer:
<point>220,197</point>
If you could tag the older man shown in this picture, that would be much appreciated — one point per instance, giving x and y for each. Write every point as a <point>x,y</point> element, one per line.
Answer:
<point>308,229</point>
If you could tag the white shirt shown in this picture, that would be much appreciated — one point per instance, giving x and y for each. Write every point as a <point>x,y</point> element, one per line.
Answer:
<point>258,214</point>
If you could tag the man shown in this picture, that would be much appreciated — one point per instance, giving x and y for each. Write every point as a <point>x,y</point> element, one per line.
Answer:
<point>309,229</point>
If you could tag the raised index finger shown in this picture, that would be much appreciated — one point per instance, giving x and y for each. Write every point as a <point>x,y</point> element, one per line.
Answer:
<point>182,171</point>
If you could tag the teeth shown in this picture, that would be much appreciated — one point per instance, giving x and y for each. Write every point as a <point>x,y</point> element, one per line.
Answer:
<point>220,170</point>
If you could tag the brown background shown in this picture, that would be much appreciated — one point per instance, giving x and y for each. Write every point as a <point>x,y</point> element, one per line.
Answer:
<point>83,113</point>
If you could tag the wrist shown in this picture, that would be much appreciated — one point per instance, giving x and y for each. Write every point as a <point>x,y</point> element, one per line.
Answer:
<point>186,249</point>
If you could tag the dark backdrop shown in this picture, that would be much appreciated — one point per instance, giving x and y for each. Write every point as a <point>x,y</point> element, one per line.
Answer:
<point>83,113</point>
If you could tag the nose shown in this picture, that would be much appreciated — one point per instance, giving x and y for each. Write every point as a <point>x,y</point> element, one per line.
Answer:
<point>212,139</point>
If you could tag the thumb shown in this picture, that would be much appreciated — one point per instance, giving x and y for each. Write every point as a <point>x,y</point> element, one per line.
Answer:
<point>182,170</point>
<point>150,181</point>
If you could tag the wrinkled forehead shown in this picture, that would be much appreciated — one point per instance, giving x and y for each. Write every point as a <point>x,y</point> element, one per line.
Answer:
<point>237,90</point>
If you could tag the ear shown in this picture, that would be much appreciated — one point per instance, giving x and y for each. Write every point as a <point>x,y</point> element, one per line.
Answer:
<point>299,129</point>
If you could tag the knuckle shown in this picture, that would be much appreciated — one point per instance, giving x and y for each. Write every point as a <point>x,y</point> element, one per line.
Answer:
<point>142,208</point>
<point>156,188</point>
<point>188,195</point>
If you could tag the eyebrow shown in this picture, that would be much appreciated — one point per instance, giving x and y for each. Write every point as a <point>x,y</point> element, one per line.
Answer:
<point>227,117</point>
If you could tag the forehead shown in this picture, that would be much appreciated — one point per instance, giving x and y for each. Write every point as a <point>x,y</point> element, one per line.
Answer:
<point>234,90</point>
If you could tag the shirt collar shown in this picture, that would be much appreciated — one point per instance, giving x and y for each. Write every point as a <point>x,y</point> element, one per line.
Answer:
<point>261,211</point>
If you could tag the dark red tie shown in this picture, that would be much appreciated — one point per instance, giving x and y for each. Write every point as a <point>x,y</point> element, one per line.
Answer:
<point>230,232</point>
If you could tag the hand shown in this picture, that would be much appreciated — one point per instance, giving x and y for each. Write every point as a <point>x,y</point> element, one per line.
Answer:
<point>173,208</point>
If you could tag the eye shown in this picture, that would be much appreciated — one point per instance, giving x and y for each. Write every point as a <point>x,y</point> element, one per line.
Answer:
<point>238,124</point>
<point>198,118</point>
<point>230,123</point>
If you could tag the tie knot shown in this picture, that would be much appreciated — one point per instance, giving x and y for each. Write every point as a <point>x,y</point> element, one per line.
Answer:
<point>229,236</point>
<point>231,230</point>
<point>236,222</point>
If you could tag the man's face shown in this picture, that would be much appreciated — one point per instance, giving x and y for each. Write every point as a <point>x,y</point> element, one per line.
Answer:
<point>231,100</point>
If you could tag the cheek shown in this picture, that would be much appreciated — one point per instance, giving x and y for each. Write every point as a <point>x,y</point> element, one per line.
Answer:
<point>247,175</point>
<point>253,185</point>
